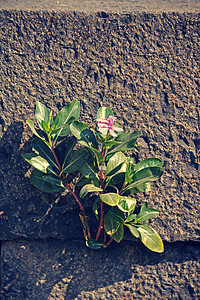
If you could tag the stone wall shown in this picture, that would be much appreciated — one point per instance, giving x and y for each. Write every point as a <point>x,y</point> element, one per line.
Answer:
<point>146,68</point>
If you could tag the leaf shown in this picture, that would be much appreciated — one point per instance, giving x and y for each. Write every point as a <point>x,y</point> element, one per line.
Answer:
<point>126,204</point>
<point>131,218</point>
<point>93,244</point>
<point>143,176</point>
<point>97,154</point>
<point>149,162</point>
<point>83,181</point>
<point>37,179</point>
<point>104,112</point>
<point>95,208</point>
<point>133,230</point>
<point>150,238</point>
<point>111,199</point>
<point>35,131</point>
<point>82,132</point>
<point>115,163</point>
<point>76,162</point>
<point>142,188</point>
<point>40,148</point>
<point>42,113</point>
<point>65,117</point>
<point>112,220</point>
<point>89,170</point>
<point>37,162</point>
<point>45,126</point>
<point>89,188</point>
<point>118,235</point>
<point>69,149</point>
<point>126,141</point>
<point>146,213</point>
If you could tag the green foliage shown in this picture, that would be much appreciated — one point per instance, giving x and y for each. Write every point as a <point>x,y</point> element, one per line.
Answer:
<point>95,163</point>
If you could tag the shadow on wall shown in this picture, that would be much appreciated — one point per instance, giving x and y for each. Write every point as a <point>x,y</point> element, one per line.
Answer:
<point>119,268</point>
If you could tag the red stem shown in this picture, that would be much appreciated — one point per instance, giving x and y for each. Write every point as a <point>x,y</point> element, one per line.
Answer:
<point>108,243</point>
<point>101,219</point>
<point>71,191</point>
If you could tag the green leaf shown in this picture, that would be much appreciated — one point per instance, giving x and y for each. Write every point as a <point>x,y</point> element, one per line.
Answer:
<point>149,162</point>
<point>35,131</point>
<point>112,220</point>
<point>97,154</point>
<point>37,179</point>
<point>53,180</point>
<point>133,230</point>
<point>95,208</point>
<point>104,112</point>
<point>93,244</point>
<point>146,213</point>
<point>145,175</point>
<point>126,141</point>
<point>42,113</point>
<point>150,238</point>
<point>65,117</point>
<point>76,162</point>
<point>38,162</point>
<point>40,148</point>
<point>126,204</point>
<point>82,132</point>
<point>142,188</point>
<point>118,235</point>
<point>89,188</point>
<point>83,181</point>
<point>89,170</point>
<point>71,143</point>
<point>111,199</point>
<point>115,163</point>
<point>45,126</point>
<point>131,218</point>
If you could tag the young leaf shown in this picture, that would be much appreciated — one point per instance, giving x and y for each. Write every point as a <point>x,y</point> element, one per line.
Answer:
<point>104,112</point>
<point>65,117</point>
<point>150,238</point>
<point>142,188</point>
<point>112,220</point>
<point>40,148</point>
<point>126,142</point>
<point>93,244</point>
<point>89,188</point>
<point>146,213</point>
<point>45,126</point>
<point>42,113</point>
<point>115,163</point>
<point>38,162</point>
<point>149,162</point>
<point>133,230</point>
<point>76,162</point>
<point>143,176</point>
<point>118,235</point>
<point>130,218</point>
<point>111,199</point>
<point>126,204</point>
<point>37,179</point>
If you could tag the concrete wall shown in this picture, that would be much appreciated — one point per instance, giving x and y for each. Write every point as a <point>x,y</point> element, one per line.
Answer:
<point>146,68</point>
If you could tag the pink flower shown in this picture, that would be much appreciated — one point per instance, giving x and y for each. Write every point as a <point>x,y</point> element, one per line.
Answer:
<point>106,125</point>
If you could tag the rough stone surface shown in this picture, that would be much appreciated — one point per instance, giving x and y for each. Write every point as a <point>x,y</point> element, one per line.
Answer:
<point>55,270</point>
<point>144,66</point>
<point>114,6</point>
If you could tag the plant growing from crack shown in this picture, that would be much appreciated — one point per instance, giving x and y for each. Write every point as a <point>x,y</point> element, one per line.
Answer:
<point>100,167</point>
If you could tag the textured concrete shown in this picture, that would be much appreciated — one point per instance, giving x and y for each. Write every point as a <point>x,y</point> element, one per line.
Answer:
<point>146,68</point>
<point>114,6</point>
<point>54,270</point>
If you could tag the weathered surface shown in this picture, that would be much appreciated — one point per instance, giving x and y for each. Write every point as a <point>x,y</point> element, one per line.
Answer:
<point>145,67</point>
<point>114,6</point>
<point>54,270</point>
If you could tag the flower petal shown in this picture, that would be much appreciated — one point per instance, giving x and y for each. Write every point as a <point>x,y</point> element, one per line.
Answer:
<point>103,131</point>
<point>112,133</point>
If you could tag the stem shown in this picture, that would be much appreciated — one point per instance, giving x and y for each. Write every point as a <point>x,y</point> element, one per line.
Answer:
<point>108,243</point>
<point>70,190</point>
<point>100,223</point>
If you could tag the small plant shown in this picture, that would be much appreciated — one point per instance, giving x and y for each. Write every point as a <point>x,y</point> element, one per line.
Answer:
<point>100,167</point>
